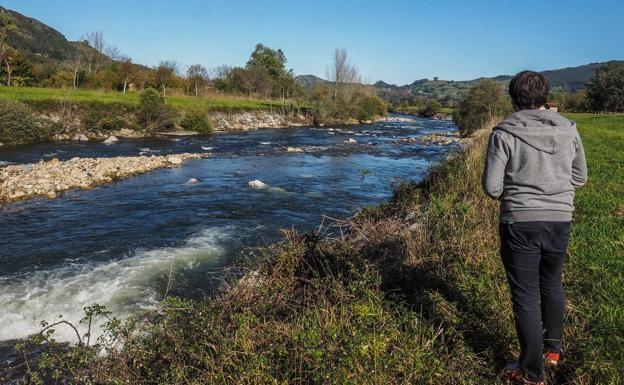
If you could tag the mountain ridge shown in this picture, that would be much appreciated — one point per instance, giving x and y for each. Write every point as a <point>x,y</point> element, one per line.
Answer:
<point>569,79</point>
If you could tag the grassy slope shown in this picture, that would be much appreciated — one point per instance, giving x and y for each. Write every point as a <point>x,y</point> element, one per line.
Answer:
<point>132,98</point>
<point>421,300</point>
<point>595,270</point>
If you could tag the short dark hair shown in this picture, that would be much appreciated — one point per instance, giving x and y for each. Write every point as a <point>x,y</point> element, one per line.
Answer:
<point>529,89</point>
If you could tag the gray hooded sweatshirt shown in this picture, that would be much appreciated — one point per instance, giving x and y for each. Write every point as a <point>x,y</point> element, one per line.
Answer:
<point>535,160</point>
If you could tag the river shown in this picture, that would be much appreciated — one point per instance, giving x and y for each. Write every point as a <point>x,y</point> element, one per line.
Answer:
<point>116,244</point>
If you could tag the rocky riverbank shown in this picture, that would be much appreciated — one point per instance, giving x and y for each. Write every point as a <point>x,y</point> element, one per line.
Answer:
<point>78,130</point>
<point>50,178</point>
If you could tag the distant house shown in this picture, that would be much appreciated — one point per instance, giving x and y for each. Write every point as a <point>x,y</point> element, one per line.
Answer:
<point>553,106</point>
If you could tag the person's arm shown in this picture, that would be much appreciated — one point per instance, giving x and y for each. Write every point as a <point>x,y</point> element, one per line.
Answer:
<point>495,163</point>
<point>579,165</point>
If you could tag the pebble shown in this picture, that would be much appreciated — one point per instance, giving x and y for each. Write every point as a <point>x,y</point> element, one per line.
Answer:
<point>24,181</point>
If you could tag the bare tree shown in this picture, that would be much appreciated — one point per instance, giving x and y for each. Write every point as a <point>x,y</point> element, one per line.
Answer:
<point>196,76</point>
<point>6,51</point>
<point>113,53</point>
<point>221,72</point>
<point>127,71</point>
<point>95,40</point>
<point>343,74</point>
<point>75,65</point>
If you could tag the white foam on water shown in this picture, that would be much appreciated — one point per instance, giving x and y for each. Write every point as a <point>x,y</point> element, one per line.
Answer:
<point>123,286</point>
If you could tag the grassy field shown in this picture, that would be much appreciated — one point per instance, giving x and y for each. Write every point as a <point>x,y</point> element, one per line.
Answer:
<point>132,98</point>
<point>411,292</point>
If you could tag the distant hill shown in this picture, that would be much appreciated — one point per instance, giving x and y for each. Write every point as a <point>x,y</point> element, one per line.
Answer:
<point>39,42</point>
<point>309,81</point>
<point>568,79</point>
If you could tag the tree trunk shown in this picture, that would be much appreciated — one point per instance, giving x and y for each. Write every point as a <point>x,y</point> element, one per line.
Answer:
<point>8,68</point>
<point>125,84</point>
<point>196,90</point>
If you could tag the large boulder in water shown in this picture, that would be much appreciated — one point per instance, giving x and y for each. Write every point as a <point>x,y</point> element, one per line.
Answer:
<point>257,184</point>
<point>110,140</point>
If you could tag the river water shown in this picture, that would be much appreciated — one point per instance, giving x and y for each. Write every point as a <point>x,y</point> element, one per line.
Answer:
<point>115,244</point>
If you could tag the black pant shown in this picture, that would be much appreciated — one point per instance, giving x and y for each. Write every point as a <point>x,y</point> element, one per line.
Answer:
<point>533,254</point>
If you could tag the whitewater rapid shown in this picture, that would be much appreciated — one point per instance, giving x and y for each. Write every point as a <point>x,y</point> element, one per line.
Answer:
<point>124,286</point>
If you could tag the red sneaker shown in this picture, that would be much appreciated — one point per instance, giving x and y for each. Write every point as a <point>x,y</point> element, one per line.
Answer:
<point>552,358</point>
<point>514,373</point>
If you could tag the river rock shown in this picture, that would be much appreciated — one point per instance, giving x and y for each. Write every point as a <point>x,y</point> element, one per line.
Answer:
<point>49,178</point>
<point>81,137</point>
<point>174,159</point>
<point>110,140</point>
<point>192,181</point>
<point>351,141</point>
<point>257,184</point>
<point>126,133</point>
<point>294,149</point>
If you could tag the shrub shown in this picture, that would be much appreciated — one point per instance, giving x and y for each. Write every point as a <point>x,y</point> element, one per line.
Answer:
<point>370,106</point>
<point>480,105</point>
<point>431,108</point>
<point>196,119</point>
<point>153,114</point>
<point>18,124</point>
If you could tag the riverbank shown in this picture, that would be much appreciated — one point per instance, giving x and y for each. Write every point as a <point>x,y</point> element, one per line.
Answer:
<point>82,115</point>
<point>48,179</point>
<point>408,292</point>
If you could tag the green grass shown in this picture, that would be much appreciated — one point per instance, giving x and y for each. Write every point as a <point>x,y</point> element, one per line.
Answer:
<point>595,270</point>
<point>392,300</point>
<point>132,98</point>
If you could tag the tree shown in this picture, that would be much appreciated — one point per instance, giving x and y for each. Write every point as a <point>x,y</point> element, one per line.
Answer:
<point>196,76</point>
<point>93,57</point>
<point>606,88</point>
<point>481,104</point>
<point>21,70</point>
<point>75,62</point>
<point>6,51</point>
<point>273,61</point>
<point>164,75</point>
<point>127,72</point>
<point>343,74</point>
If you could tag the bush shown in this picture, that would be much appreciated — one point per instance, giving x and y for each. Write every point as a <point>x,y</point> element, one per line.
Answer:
<point>153,114</point>
<point>196,119</point>
<point>18,124</point>
<point>370,106</point>
<point>480,105</point>
<point>431,108</point>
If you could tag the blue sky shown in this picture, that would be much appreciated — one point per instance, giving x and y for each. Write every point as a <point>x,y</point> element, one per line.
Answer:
<point>395,41</point>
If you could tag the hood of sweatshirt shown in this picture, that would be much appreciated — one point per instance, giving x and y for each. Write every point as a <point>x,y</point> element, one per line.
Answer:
<point>544,130</point>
